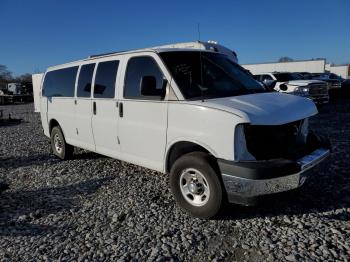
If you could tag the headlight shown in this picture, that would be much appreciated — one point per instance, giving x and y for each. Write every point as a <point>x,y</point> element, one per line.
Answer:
<point>302,90</point>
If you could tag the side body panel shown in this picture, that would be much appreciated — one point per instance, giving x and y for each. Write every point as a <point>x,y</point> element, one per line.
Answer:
<point>213,129</point>
<point>62,110</point>
<point>142,133</point>
<point>83,114</point>
<point>105,127</point>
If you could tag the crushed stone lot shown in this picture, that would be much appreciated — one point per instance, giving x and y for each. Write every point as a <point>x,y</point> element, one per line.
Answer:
<point>97,208</point>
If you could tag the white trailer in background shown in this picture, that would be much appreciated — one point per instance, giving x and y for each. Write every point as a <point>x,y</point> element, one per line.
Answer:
<point>312,66</point>
<point>343,70</point>
<point>37,78</point>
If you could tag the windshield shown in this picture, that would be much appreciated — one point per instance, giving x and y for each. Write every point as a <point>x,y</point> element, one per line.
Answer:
<point>208,75</point>
<point>284,77</point>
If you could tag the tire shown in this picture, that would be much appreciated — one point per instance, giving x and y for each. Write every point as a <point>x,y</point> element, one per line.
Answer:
<point>191,194</point>
<point>59,146</point>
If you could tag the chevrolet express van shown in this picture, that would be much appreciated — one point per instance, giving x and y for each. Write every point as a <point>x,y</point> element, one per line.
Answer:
<point>193,114</point>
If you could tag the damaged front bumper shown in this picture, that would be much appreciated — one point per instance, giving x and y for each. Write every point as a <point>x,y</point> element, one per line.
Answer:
<point>246,180</point>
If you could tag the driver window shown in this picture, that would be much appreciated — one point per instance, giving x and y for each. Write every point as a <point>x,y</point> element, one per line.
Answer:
<point>137,68</point>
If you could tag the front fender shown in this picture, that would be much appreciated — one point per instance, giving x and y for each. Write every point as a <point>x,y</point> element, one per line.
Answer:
<point>210,128</point>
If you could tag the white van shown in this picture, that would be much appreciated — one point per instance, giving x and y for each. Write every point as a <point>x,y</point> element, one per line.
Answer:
<point>193,114</point>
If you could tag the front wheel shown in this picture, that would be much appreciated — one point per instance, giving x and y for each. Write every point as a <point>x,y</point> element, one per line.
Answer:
<point>196,186</point>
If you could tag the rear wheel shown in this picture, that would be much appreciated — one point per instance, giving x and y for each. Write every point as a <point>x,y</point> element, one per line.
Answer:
<point>58,144</point>
<point>196,186</point>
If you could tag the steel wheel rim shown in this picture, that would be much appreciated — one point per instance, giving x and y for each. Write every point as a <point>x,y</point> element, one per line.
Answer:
<point>194,187</point>
<point>58,143</point>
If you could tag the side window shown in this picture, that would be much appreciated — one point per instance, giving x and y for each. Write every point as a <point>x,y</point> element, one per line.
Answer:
<point>266,77</point>
<point>257,77</point>
<point>137,68</point>
<point>60,82</point>
<point>85,79</point>
<point>105,79</point>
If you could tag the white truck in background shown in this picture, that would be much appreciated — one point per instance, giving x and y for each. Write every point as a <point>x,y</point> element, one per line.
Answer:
<point>292,83</point>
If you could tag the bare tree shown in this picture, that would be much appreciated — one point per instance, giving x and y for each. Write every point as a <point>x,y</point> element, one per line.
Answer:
<point>5,76</point>
<point>25,78</point>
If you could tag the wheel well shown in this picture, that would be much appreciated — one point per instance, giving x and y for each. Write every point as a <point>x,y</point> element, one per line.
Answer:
<point>53,123</point>
<point>179,149</point>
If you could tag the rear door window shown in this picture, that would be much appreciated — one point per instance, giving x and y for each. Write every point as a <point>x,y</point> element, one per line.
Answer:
<point>85,80</point>
<point>60,83</point>
<point>105,79</point>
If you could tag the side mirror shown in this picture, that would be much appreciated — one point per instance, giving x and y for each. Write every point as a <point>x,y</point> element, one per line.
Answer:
<point>270,84</point>
<point>283,87</point>
<point>148,87</point>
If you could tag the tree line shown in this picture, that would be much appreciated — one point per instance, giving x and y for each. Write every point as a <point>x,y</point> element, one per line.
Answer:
<point>6,76</point>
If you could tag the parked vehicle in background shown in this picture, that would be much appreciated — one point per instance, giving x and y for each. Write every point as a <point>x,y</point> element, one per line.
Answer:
<point>293,83</point>
<point>193,114</point>
<point>15,93</point>
<point>334,81</point>
<point>305,75</point>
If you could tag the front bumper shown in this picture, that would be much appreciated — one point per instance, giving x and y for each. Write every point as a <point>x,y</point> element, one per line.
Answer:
<point>244,181</point>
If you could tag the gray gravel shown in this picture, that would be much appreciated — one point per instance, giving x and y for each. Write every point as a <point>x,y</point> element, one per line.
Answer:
<point>98,208</point>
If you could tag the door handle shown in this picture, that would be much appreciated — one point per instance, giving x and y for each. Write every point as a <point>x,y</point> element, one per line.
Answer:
<point>94,107</point>
<point>121,112</point>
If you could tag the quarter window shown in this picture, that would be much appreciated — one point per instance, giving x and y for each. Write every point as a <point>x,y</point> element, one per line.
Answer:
<point>85,79</point>
<point>136,69</point>
<point>60,83</point>
<point>105,79</point>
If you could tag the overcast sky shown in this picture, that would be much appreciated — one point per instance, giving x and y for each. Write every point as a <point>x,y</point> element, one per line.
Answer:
<point>36,33</point>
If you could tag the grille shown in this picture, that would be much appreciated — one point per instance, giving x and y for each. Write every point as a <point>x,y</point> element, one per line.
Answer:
<point>318,89</point>
<point>336,85</point>
<point>271,142</point>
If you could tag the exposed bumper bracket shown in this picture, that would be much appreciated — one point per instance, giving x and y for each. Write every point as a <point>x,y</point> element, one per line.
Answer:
<point>257,178</point>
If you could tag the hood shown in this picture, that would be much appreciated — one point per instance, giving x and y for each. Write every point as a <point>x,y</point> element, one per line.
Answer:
<point>265,108</point>
<point>303,82</point>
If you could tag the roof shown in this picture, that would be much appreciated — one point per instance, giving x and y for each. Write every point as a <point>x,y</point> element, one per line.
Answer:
<point>154,50</point>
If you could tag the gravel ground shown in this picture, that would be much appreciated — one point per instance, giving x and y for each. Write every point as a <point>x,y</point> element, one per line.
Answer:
<point>98,208</point>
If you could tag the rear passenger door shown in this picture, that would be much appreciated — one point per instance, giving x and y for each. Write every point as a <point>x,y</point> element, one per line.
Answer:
<point>59,88</point>
<point>83,108</point>
<point>104,108</point>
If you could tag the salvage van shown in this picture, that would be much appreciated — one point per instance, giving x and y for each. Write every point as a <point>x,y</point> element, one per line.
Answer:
<point>192,114</point>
